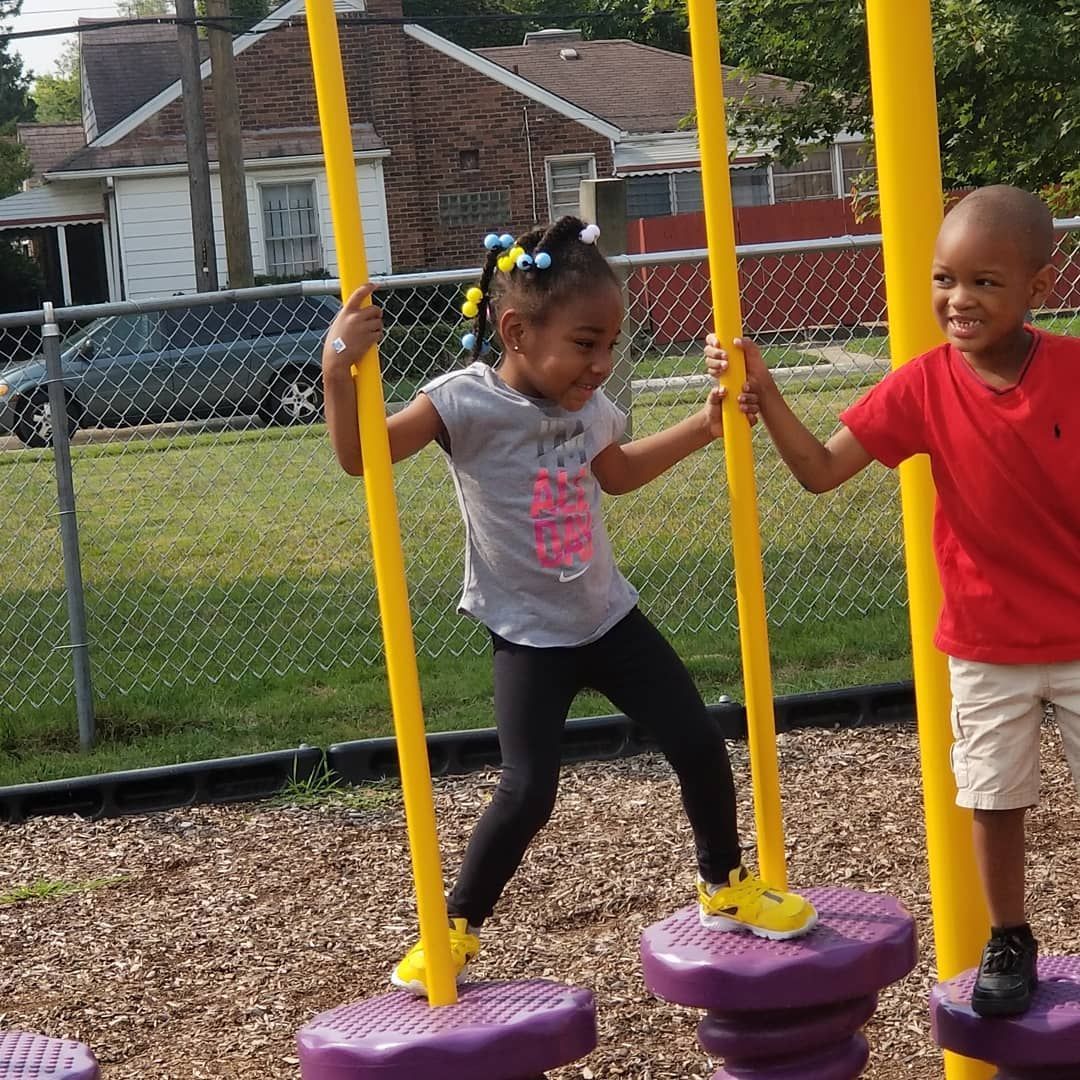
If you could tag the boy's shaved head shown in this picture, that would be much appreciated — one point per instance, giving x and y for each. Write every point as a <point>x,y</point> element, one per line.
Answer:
<point>1013,215</point>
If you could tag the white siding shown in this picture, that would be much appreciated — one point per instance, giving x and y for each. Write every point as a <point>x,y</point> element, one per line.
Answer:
<point>155,226</point>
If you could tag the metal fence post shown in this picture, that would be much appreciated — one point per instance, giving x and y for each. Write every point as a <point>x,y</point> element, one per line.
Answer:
<point>604,203</point>
<point>69,531</point>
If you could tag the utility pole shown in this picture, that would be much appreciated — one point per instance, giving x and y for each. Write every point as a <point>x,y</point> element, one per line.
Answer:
<point>234,205</point>
<point>202,213</point>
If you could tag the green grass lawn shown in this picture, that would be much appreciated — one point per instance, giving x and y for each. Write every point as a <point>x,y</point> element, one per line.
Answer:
<point>230,595</point>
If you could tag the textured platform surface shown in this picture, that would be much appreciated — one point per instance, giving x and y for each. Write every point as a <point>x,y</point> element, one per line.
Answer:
<point>1048,1034</point>
<point>497,1030</point>
<point>862,943</point>
<point>36,1057</point>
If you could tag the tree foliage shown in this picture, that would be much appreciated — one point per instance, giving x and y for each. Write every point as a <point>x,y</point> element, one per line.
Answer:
<point>661,23</point>
<point>144,9</point>
<point>16,106</point>
<point>21,283</point>
<point>1008,82</point>
<point>58,95</point>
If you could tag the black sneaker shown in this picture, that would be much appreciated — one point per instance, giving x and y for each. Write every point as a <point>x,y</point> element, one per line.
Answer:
<point>1007,974</point>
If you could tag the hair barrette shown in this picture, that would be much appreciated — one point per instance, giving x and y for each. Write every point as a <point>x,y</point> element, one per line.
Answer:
<point>590,234</point>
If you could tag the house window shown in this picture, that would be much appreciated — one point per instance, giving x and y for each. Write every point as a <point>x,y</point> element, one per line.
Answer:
<point>291,228</point>
<point>688,193</point>
<point>811,178</point>
<point>648,196</point>
<point>564,176</point>
<point>660,194</point>
<point>486,208</point>
<point>469,160</point>
<point>856,159</point>
<point>750,187</point>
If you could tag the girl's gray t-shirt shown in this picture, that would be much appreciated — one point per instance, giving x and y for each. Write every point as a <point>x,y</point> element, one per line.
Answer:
<point>539,569</point>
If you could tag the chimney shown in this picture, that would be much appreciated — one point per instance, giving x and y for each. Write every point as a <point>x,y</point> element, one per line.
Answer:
<point>552,37</point>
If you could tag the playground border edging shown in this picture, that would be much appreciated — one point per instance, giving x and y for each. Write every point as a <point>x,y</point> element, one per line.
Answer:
<point>260,776</point>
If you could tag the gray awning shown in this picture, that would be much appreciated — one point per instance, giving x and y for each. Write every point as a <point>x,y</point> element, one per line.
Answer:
<point>53,204</point>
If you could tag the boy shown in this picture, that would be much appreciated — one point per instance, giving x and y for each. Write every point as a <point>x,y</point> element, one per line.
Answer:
<point>997,408</point>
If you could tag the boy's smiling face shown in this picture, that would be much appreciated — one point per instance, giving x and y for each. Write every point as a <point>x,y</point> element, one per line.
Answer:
<point>984,283</point>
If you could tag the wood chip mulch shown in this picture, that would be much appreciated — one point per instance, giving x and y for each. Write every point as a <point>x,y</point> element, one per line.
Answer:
<point>232,926</point>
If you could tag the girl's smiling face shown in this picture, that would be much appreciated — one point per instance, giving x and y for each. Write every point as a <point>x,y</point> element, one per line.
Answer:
<point>566,355</point>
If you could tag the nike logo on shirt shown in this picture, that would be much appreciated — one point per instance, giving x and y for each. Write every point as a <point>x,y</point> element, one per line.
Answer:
<point>564,576</point>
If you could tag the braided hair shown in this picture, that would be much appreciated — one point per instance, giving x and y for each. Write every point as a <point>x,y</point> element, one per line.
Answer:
<point>575,267</point>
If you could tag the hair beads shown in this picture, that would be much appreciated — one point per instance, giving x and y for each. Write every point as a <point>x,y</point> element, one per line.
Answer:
<point>524,261</point>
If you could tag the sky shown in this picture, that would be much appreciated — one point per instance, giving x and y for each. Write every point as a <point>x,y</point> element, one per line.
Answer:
<point>39,54</point>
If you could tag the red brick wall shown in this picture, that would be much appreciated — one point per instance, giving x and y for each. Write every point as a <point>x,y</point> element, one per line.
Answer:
<point>427,109</point>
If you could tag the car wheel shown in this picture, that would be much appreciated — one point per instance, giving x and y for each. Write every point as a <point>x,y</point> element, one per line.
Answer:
<point>33,421</point>
<point>297,398</point>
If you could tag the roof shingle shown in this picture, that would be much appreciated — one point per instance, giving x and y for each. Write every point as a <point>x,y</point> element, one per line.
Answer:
<point>171,150</point>
<point>125,66</point>
<point>635,87</point>
<point>49,144</point>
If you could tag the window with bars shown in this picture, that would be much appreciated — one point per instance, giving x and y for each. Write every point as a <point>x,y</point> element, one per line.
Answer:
<point>564,176</point>
<point>487,208</point>
<point>291,228</point>
<point>811,178</point>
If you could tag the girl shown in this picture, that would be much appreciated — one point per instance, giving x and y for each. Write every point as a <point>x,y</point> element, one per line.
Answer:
<point>531,445</point>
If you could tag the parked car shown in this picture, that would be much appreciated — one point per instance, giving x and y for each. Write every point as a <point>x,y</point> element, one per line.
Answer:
<point>257,357</point>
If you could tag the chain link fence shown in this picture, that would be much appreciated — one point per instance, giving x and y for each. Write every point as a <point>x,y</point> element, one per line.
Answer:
<point>219,540</point>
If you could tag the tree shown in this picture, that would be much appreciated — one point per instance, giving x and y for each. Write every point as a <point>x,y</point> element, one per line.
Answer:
<point>14,166</point>
<point>58,96</point>
<point>476,32</point>
<point>1008,82</point>
<point>660,23</point>
<point>143,9</point>
<point>243,14</point>
<point>21,284</point>
<point>16,107</point>
<point>652,22</point>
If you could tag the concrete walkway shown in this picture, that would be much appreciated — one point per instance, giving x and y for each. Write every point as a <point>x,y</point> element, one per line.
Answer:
<point>834,360</point>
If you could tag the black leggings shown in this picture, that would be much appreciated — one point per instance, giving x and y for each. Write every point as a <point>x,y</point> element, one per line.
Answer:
<point>635,667</point>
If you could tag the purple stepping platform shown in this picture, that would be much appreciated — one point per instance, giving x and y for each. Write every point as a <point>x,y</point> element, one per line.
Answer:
<point>862,942</point>
<point>36,1057</point>
<point>773,1033</point>
<point>497,1030</point>
<point>834,1063</point>
<point>1043,1043</point>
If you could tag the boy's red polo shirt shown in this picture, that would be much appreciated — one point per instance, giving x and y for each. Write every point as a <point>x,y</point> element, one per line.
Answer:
<point>1006,464</point>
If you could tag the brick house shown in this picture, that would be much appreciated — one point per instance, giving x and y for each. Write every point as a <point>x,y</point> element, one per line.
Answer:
<point>448,143</point>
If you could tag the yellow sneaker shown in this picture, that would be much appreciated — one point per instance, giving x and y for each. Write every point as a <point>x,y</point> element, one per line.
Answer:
<point>747,903</point>
<point>411,973</point>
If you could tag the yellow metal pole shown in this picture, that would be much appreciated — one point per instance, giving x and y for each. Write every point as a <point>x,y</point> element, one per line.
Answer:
<point>738,450</point>
<point>909,182</point>
<point>382,512</point>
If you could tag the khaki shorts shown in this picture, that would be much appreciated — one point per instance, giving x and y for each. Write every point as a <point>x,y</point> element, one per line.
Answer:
<point>996,717</point>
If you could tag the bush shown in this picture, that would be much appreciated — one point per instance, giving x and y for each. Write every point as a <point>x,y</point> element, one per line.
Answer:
<point>22,285</point>
<point>421,351</point>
